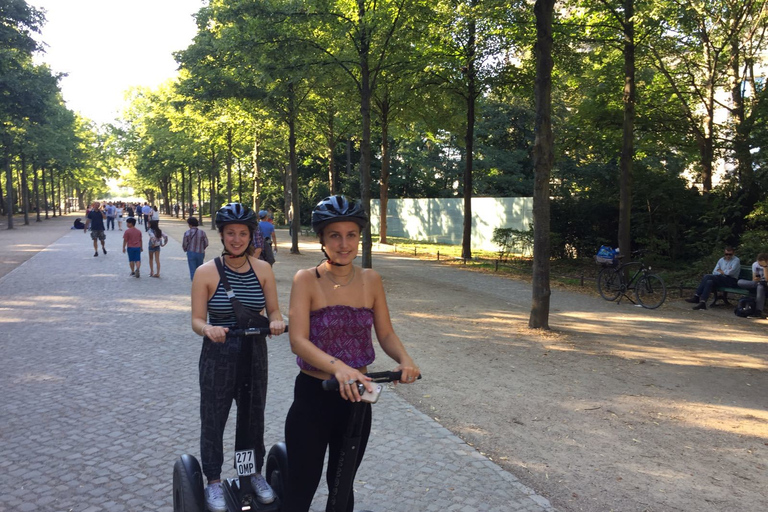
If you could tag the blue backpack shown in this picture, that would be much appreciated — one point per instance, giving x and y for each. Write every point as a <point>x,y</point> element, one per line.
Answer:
<point>605,255</point>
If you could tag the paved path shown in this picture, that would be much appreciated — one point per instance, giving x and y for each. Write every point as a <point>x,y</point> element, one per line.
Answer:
<point>99,380</point>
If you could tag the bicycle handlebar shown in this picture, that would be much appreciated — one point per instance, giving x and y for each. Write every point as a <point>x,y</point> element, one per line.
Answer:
<point>253,331</point>
<point>333,384</point>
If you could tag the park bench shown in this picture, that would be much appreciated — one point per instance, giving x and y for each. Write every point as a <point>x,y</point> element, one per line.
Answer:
<point>306,231</point>
<point>722,292</point>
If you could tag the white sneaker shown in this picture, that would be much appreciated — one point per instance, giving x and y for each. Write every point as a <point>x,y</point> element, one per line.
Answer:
<point>214,497</point>
<point>264,492</point>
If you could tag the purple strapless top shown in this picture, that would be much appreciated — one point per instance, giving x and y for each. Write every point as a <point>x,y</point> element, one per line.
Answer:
<point>343,332</point>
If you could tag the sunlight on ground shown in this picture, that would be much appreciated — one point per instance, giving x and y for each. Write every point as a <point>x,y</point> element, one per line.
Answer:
<point>640,338</point>
<point>729,419</point>
<point>37,377</point>
<point>25,247</point>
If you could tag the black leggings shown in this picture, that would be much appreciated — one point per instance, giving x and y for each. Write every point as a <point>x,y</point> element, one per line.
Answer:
<point>317,419</point>
<point>218,387</point>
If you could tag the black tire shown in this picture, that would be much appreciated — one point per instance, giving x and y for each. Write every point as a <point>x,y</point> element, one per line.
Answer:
<point>188,493</point>
<point>650,291</point>
<point>609,283</point>
<point>277,469</point>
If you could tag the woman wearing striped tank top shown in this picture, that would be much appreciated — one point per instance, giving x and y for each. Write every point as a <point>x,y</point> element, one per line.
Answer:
<point>254,286</point>
<point>333,308</point>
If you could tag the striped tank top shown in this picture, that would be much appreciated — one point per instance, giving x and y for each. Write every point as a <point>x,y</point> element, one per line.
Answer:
<point>247,289</point>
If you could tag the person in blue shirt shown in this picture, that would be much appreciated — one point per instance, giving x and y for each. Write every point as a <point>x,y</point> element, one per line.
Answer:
<point>726,274</point>
<point>268,231</point>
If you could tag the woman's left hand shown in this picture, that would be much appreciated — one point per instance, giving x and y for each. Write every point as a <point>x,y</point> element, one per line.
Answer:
<point>277,327</point>
<point>410,371</point>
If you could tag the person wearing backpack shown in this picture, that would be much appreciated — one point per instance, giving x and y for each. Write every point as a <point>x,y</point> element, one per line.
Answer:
<point>757,283</point>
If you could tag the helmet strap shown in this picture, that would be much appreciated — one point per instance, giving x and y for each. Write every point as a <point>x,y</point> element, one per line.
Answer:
<point>225,252</point>
<point>329,260</point>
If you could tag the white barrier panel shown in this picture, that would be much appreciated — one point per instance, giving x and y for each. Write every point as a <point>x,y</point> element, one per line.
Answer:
<point>441,220</point>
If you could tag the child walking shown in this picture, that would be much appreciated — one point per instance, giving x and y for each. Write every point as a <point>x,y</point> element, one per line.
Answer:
<point>132,244</point>
<point>157,239</point>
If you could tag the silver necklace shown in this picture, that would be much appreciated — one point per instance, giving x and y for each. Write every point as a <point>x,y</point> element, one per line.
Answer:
<point>337,284</point>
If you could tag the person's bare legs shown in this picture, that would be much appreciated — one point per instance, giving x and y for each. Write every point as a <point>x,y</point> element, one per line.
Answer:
<point>151,263</point>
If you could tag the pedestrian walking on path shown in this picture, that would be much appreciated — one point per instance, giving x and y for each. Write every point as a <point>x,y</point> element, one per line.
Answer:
<point>214,312</point>
<point>157,239</point>
<point>95,221</point>
<point>133,246</point>
<point>194,243</point>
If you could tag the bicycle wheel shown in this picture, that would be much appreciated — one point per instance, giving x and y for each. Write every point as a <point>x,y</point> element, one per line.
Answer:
<point>609,283</point>
<point>650,291</point>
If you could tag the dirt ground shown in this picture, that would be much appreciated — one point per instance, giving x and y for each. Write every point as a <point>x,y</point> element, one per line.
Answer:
<point>616,408</point>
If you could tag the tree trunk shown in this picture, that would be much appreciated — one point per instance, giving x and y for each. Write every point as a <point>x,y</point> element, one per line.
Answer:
<point>385,161</point>
<point>36,191</point>
<point>212,196</point>
<point>349,156</point>
<point>45,193</point>
<point>294,170</point>
<point>543,158</point>
<point>58,194</point>
<point>53,194</point>
<point>628,141</point>
<point>8,185</point>
<point>229,165</point>
<point>24,189</point>
<point>469,137</point>
<point>365,144</point>
<point>256,200</point>
<point>748,191</point>
<point>330,140</point>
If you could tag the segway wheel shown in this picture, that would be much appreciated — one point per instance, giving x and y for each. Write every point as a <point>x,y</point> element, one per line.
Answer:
<point>188,493</point>
<point>277,469</point>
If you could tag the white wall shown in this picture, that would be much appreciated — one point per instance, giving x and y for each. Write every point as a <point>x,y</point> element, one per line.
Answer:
<point>442,220</point>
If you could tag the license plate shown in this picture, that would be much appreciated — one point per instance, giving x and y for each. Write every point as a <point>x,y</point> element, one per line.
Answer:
<point>245,461</point>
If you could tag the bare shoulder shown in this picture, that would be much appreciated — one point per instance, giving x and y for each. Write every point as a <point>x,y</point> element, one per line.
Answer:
<point>305,276</point>
<point>370,275</point>
<point>208,269</point>
<point>259,265</point>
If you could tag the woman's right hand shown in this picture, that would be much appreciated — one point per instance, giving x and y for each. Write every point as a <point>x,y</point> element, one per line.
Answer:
<point>215,333</point>
<point>348,379</point>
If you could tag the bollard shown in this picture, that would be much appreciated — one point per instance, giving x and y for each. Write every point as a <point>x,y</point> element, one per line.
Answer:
<point>496,266</point>
<point>582,279</point>
<point>414,251</point>
<point>438,255</point>
<point>681,289</point>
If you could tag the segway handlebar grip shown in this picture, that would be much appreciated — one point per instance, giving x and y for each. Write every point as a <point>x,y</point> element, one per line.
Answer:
<point>333,384</point>
<point>253,331</point>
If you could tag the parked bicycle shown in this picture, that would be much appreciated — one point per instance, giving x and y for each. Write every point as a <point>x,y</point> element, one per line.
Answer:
<point>613,283</point>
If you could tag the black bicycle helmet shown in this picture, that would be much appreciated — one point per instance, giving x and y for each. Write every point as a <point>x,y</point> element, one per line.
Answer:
<point>235,213</point>
<point>337,209</point>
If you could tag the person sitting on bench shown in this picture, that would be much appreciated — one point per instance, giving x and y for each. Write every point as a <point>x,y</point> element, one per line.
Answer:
<point>758,282</point>
<point>726,275</point>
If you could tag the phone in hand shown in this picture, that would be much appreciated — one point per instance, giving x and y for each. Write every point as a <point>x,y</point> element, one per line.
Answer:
<point>372,398</point>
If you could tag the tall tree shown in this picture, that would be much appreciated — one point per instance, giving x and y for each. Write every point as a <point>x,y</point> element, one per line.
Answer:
<point>543,157</point>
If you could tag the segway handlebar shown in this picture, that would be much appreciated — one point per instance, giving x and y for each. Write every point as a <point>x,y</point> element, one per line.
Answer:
<point>333,384</point>
<point>253,331</point>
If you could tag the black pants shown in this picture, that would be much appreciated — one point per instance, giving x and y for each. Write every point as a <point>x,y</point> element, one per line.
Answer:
<point>317,419</point>
<point>218,379</point>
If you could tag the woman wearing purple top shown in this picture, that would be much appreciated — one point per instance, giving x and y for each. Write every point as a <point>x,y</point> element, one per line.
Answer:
<point>333,307</point>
